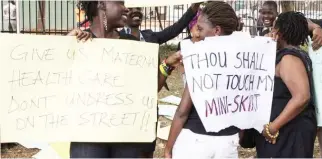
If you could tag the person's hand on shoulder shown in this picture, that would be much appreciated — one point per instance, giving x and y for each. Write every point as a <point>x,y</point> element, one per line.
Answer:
<point>317,38</point>
<point>80,35</point>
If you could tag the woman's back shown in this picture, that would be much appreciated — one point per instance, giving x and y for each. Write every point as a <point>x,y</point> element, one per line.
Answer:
<point>297,135</point>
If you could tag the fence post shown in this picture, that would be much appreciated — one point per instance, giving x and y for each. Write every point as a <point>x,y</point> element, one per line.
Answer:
<point>287,6</point>
<point>158,16</point>
<point>41,13</point>
<point>18,16</point>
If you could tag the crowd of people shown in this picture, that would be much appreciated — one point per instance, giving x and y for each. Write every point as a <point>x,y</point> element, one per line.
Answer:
<point>293,127</point>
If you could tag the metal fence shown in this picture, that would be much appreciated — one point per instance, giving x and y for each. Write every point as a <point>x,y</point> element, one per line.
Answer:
<point>59,17</point>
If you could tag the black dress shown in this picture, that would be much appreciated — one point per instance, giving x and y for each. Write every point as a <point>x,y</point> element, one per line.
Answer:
<point>296,139</point>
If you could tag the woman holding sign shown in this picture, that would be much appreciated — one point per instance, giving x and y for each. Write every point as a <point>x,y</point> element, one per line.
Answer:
<point>188,138</point>
<point>105,18</point>
<point>292,131</point>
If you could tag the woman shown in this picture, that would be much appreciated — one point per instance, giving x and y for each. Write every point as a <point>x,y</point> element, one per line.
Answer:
<point>194,33</point>
<point>194,36</point>
<point>105,18</point>
<point>292,131</point>
<point>188,138</point>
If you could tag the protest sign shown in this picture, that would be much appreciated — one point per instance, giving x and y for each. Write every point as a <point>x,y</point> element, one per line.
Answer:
<point>153,3</point>
<point>54,89</point>
<point>231,80</point>
<point>316,57</point>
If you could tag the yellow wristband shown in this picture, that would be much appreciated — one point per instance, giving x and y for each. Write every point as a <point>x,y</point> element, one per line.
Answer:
<point>164,73</point>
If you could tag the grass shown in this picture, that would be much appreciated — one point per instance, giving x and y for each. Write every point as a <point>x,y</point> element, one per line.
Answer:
<point>176,87</point>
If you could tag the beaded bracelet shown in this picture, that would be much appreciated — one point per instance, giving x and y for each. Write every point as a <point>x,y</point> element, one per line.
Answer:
<point>269,134</point>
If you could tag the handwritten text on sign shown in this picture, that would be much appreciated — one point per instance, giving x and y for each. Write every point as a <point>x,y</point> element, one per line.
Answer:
<point>316,57</point>
<point>231,80</point>
<point>55,89</point>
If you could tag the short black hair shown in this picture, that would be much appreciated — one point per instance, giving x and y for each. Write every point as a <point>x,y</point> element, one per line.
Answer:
<point>293,27</point>
<point>90,8</point>
<point>271,3</point>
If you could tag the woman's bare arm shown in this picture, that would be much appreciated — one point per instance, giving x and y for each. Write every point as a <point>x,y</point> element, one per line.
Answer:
<point>180,118</point>
<point>311,25</point>
<point>316,34</point>
<point>173,60</point>
<point>292,71</point>
<point>161,80</point>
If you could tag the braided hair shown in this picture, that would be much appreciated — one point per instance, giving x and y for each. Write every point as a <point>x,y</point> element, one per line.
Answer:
<point>90,8</point>
<point>221,14</point>
<point>293,27</point>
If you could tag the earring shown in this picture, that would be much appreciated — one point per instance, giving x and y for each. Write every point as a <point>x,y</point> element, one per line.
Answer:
<point>105,21</point>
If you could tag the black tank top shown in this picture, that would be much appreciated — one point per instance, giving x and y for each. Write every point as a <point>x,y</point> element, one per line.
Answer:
<point>282,95</point>
<point>194,124</point>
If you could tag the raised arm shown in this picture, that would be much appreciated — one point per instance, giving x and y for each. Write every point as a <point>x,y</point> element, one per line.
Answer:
<point>175,29</point>
<point>313,25</point>
<point>316,32</point>
<point>171,62</point>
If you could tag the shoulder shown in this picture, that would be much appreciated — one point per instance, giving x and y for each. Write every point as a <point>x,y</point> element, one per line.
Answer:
<point>296,64</point>
<point>296,53</point>
<point>290,58</point>
<point>122,31</point>
<point>294,57</point>
<point>128,37</point>
<point>148,31</point>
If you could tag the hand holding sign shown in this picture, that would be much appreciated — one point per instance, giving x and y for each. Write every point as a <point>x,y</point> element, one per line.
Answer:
<point>231,80</point>
<point>55,89</point>
<point>174,59</point>
<point>80,35</point>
